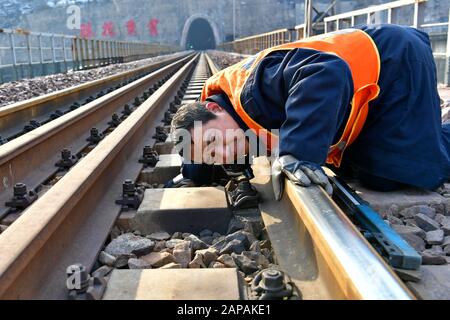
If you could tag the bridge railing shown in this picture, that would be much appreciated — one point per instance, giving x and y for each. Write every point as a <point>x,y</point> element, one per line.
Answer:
<point>387,13</point>
<point>253,44</point>
<point>25,54</point>
<point>404,12</point>
<point>394,12</point>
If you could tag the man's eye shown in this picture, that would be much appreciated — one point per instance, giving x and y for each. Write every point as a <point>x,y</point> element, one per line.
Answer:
<point>211,140</point>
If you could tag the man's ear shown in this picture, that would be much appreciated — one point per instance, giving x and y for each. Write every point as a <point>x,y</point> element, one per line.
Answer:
<point>213,107</point>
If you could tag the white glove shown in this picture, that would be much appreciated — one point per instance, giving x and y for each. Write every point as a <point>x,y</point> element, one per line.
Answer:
<point>302,173</point>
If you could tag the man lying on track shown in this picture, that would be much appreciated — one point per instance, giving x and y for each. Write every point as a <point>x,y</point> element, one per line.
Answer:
<point>362,100</point>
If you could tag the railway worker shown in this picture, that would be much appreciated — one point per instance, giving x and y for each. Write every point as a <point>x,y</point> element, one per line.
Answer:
<point>362,100</point>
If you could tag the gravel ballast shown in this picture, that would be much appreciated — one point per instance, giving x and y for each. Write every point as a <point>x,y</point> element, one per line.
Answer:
<point>16,91</point>
<point>225,59</point>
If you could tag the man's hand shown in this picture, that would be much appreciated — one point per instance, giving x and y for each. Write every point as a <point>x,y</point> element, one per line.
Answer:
<point>302,173</point>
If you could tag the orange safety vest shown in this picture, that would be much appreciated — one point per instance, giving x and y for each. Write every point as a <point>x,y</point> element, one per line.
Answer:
<point>352,45</point>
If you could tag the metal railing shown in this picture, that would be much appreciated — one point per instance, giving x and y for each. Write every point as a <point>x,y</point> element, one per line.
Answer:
<point>389,13</point>
<point>26,54</point>
<point>385,13</point>
<point>253,44</point>
<point>367,15</point>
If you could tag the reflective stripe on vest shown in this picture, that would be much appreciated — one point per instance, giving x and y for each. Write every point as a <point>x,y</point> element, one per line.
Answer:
<point>352,45</point>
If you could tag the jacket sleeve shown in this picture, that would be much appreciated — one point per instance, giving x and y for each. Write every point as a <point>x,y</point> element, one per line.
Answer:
<point>318,91</point>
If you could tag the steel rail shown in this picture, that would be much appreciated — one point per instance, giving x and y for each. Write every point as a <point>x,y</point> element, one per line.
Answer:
<point>31,158</point>
<point>13,117</point>
<point>212,66</point>
<point>319,247</point>
<point>72,220</point>
<point>359,270</point>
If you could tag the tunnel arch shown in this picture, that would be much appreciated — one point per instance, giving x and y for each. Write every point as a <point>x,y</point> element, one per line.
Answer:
<point>194,21</point>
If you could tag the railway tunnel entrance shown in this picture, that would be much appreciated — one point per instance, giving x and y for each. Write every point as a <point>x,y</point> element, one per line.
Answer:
<point>200,36</point>
<point>200,33</point>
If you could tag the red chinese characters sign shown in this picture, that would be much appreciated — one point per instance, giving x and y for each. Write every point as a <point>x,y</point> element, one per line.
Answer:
<point>131,27</point>
<point>86,30</point>
<point>153,27</point>
<point>108,29</point>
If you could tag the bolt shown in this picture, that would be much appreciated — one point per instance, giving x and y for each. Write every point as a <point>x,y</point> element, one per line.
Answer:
<point>127,110</point>
<point>20,190</point>
<point>115,120</point>
<point>148,151</point>
<point>129,188</point>
<point>150,156</point>
<point>95,136</point>
<point>56,114</point>
<point>32,125</point>
<point>75,106</point>
<point>66,154</point>
<point>272,280</point>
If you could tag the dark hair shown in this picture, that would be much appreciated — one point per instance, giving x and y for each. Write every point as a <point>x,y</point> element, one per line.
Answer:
<point>189,113</point>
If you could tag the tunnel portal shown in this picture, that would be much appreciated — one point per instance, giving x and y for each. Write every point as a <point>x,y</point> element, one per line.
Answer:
<point>200,36</point>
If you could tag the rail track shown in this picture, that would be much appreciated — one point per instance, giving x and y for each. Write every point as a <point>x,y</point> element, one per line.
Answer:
<point>71,216</point>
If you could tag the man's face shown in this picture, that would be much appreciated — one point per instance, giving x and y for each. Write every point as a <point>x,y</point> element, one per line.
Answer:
<point>220,140</point>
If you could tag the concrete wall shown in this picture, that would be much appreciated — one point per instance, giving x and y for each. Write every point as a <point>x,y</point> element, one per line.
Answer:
<point>171,18</point>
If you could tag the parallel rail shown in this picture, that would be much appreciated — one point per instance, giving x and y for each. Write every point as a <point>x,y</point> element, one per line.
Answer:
<point>31,158</point>
<point>72,220</point>
<point>13,117</point>
<point>320,248</point>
